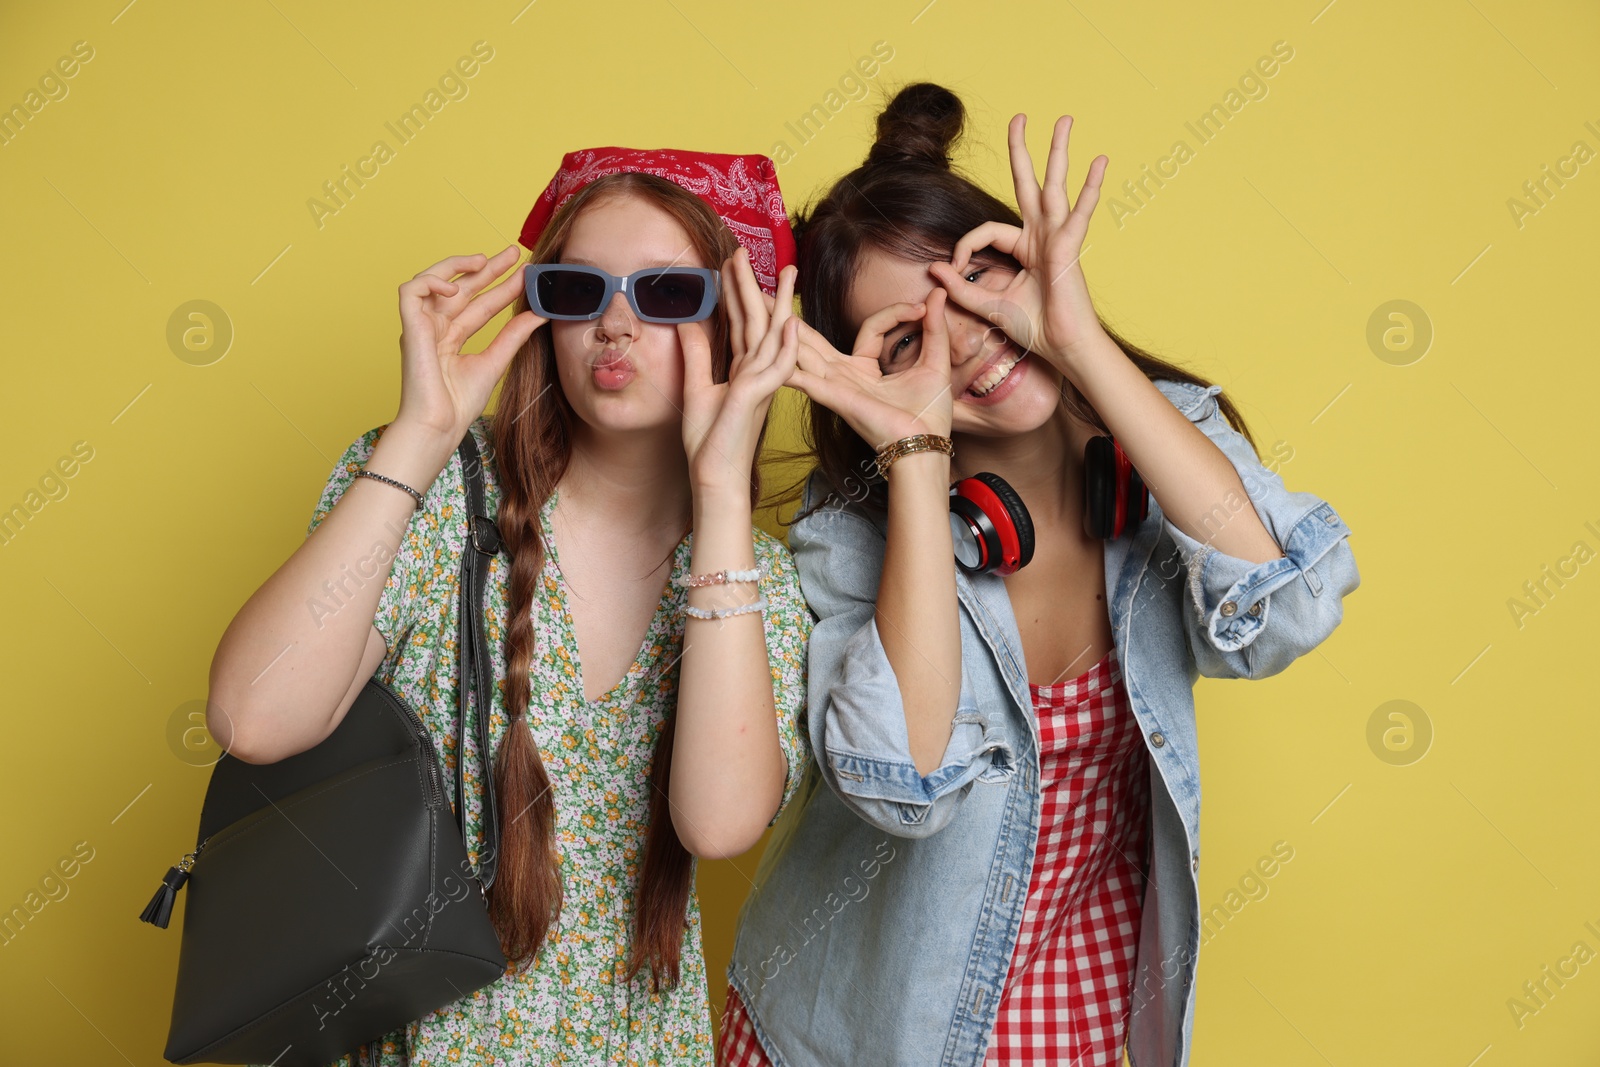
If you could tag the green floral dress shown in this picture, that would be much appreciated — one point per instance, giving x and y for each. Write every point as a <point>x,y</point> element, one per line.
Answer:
<point>574,1005</point>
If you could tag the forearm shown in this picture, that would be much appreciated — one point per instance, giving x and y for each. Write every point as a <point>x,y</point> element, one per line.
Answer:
<point>1196,485</point>
<point>727,765</point>
<point>284,664</point>
<point>916,612</point>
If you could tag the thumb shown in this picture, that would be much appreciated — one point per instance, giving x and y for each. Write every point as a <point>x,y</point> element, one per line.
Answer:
<point>935,352</point>
<point>512,336</point>
<point>492,362</point>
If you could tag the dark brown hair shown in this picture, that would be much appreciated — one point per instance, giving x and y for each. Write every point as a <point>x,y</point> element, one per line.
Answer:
<point>906,200</point>
<point>532,440</point>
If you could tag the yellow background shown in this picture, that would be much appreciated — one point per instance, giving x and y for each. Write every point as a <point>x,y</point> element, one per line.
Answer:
<point>1422,893</point>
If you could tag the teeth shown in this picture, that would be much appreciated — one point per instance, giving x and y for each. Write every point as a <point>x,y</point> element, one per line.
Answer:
<point>996,375</point>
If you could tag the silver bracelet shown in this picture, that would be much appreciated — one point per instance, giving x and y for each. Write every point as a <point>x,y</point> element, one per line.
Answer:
<point>757,604</point>
<point>364,473</point>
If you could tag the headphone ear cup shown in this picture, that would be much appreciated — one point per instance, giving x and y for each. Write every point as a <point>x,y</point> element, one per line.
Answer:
<point>985,540</point>
<point>1135,497</point>
<point>1021,521</point>
<point>1138,499</point>
<point>1099,487</point>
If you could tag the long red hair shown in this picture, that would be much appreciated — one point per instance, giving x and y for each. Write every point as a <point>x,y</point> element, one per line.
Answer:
<point>532,442</point>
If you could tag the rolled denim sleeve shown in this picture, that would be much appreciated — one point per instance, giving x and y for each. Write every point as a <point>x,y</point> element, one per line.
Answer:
<point>855,715</point>
<point>1251,620</point>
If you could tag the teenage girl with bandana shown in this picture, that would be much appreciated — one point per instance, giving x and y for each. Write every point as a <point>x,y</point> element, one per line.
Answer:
<point>619,466</point>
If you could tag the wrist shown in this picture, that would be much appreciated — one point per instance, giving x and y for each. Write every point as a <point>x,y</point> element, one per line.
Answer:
<point>412,454</point>
<point>415,417</point>
<point>926,466</point>
<point>914,444</point>
<point>909,428</point>
<point>419,434</point>
<point>1082,356</point>
<point>721,502</point>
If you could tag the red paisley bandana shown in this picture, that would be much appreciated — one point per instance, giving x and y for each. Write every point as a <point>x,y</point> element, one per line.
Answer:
<point>743,190</point>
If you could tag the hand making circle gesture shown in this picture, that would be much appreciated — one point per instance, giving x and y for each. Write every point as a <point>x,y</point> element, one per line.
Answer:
<point>882,408</point>
<point>441,387</point>
<point>1045,308</point>
<point>722,420</point>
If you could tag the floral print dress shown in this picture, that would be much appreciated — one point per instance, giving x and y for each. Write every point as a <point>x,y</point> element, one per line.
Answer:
<point>574,1005</point>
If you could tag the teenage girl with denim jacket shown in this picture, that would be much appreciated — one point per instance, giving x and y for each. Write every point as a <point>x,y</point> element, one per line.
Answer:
<point>997,858</point>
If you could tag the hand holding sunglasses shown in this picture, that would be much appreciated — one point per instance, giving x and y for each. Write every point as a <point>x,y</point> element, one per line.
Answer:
<point>722,421</point>
<point>573,291</point>
<point>442,387</point>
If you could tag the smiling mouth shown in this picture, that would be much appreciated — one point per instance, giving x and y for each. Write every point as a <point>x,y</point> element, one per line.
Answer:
<point>990,379</point>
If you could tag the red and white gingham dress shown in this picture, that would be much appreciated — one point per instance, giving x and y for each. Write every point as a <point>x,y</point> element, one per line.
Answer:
<point>1067,993</point>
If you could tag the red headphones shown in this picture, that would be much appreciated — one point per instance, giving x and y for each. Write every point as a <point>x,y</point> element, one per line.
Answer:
<point>990,526</point>
<point>993,532</point>
<point>1115,499</point>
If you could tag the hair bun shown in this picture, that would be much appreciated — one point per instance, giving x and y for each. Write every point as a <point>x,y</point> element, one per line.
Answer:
<point>919,126</point>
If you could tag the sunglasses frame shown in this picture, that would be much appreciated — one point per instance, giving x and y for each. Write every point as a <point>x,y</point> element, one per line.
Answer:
<point>624,284</point>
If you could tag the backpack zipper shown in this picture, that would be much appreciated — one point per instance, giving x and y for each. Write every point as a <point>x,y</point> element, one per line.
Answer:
<point>159,911</point>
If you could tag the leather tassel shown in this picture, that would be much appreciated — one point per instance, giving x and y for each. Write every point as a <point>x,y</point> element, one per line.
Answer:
<point>159,911</point>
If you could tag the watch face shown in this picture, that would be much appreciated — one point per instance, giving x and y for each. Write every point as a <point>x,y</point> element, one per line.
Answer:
<point>969,554</point>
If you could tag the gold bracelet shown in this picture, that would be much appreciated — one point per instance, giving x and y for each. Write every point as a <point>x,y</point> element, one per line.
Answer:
<point>922,442</point>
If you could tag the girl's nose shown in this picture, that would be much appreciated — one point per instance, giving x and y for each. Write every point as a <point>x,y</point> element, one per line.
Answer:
<point>617,320</point>
<point>970,336</point>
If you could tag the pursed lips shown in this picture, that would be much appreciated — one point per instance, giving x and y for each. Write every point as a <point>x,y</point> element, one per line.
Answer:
<point>610,357</point>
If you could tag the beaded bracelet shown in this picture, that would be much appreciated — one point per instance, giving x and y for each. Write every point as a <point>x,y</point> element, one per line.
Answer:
<point>922,442</point>
<point>390,481</point>
<point>758,604</point>
<point>719,577</point>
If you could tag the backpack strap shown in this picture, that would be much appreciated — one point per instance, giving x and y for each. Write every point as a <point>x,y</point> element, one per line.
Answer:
<point>475,685</point>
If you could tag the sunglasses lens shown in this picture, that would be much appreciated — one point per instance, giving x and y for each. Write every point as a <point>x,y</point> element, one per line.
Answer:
<point>570,292</point>
<point>670,295</point>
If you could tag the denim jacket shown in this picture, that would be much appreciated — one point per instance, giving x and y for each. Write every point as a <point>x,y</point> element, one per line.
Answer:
<point>888,902</point>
